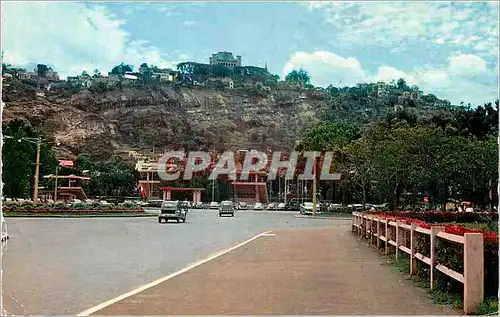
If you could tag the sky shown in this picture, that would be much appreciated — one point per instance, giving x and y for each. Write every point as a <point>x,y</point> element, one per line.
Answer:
<point>449,49</point>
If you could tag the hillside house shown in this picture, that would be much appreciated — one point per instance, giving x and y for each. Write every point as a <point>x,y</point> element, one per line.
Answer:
<point>108,80</point>
<point>225,82</point>
<point>225,59</point>
<point>51,75</point>
<point>24,75</point>
<point>228,83</point>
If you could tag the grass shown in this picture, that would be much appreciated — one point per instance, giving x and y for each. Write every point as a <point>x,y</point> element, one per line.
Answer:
<point>480,226</point>
<point>488,307</point>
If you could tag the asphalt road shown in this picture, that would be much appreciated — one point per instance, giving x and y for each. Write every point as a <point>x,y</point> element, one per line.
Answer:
<point>64,266</point>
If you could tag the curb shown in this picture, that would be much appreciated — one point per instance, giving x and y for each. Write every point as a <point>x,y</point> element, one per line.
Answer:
<point>326,218</point>
<point>79,216</point>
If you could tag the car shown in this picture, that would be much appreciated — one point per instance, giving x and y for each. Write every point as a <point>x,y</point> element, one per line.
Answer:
<point>258,206</point>
<point>281,206</point>
<point>198,205</point>
<point>307,208</point>
<point>172,210</point>
<point>271,206</point>
<point>214,205</point>
<point>242,206</point>
<point>226,208</point>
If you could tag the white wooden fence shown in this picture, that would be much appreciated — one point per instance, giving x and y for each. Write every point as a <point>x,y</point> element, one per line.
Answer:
<point>395,231</point>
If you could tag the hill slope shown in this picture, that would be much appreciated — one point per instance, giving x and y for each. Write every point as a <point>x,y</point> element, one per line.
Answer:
<point>116,122</point>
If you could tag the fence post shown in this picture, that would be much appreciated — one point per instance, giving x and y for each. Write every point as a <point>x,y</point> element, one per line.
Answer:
<point>473,271</point>
<point>378,233</point>
<point>365,219</point>
<point>413,246</point>
<point>386,237</point>
<point>434,243</point>
<point>370,234</point>
<point>397,240</point>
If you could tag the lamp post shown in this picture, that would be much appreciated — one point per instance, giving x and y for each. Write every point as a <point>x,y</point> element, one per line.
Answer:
<point>213,186</point>
<point>55,189</point>
<point>314,187</point>
<point>36,141</point>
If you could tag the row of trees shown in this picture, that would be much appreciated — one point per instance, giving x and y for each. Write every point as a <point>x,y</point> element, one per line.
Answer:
<point>109,178</point>
<point>399,160</point>
<point>192,72</point>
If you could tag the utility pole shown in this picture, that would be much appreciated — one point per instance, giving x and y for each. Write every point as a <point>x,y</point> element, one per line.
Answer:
<point>37,168</point>
<point>55,190</point>
<point>213,187</point>
<point>314,187</point>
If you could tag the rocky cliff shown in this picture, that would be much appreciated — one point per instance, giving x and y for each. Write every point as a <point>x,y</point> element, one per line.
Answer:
<point>136,119</point>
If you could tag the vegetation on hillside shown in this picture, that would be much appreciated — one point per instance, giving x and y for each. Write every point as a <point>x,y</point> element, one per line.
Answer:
<point>402,159</point>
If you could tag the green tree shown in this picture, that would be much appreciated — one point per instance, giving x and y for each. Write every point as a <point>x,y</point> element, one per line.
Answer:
<point>42,70</point>
<point>121,69</point>
<point>19,159</point>
<point>329,136</point>
<point>298,77</point>
<point>401,84</point>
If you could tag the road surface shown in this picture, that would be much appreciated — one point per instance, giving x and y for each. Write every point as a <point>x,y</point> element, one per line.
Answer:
<point>64,266</point>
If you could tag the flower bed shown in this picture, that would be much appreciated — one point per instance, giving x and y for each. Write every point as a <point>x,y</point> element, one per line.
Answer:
<point>451,254</point>
<point>70,209</point>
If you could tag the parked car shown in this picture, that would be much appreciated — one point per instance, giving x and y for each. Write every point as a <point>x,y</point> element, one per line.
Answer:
<point>198,205</point>
<point>271,206</point>
<point>258,206</point>
<point>281,206</point>
<point>293,204</point>
<point>104,203</point>
<point>226,208</point>
<point>172,210</point>
<point>242,206</point>
<point>214,205</point>
<point>307,208</point>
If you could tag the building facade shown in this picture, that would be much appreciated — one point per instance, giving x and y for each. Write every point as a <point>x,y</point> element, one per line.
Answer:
<point>225,59</point>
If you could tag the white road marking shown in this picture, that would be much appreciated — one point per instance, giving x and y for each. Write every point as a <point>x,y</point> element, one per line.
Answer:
<point>163,279</point>
<point>268,234</point>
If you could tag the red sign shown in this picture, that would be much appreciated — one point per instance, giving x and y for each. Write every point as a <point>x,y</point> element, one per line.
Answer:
<point>65,163</point>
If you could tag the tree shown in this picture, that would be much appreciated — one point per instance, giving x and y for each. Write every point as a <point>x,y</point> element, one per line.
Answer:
<point>299,77</point>
<point>402,84</point>
<point>358,165</point>
<point>121,69</point>
<point>329,136</point>
<point>97,73</point>
<point>109,178</point>
<point>42,70</point>
<point>19,160</point>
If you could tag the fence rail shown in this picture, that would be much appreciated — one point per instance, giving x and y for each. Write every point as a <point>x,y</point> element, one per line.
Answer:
<point>395,235</point>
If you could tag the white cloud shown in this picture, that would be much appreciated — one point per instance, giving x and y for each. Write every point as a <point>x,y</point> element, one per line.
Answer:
<point>326,68</point>
<point>447,82</point>
<point>71,37</point>
<point>467,64</point>
<point>392,23</point>
<point>189,23</point>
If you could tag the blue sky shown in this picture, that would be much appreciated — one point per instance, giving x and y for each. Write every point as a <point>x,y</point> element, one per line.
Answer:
<point>448,49</point>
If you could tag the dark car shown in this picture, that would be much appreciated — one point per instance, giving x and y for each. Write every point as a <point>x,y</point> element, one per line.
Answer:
<point>172,210</point>
<point>226,208</point>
